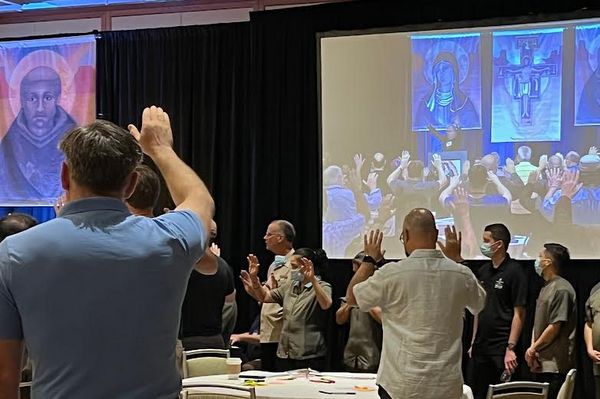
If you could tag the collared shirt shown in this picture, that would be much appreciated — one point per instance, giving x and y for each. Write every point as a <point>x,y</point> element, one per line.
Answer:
<point>422,300</point>
<point>304,322</point>
<point>271,314</point>
<point>97,294</point>
<point>592,311</point>
<point>506,288</point>
<point>556,303</point>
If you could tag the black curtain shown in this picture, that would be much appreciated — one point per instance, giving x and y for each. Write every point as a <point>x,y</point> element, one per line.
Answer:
<point>243,101</point>
<point>201,77</point>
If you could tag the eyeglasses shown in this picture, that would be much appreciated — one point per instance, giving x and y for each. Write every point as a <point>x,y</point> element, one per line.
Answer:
<point>268,234</point>
<point>402,237</point>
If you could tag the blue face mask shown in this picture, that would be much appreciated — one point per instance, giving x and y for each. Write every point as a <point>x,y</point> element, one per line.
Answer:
<point>296,276</point>
<point>486,250</point>
<point>538,267</point>
<point>279,260</point>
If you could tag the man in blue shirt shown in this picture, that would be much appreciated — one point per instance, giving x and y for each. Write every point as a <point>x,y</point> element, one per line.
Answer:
<point>97,292</point>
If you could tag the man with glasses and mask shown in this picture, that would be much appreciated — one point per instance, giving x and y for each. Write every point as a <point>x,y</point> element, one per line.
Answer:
<point>422,301</point>
<point>498,327</point>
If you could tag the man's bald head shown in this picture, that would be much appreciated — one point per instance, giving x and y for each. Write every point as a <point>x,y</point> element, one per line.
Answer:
<point>419,230</point>
<point>490,162</point>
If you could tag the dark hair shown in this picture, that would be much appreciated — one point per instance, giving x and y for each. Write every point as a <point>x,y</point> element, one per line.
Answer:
<point>287,229</point>
<point>414,169</point>
<point>478,175</point>
<point>559,254</point>
<point>318,257</point>
<point>499,233</point>
<point>100,156</point>
<point>147,189</point>
<point>14,223</point>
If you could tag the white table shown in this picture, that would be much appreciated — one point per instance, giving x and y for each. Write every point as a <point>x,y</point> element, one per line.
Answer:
<point>278,386</point>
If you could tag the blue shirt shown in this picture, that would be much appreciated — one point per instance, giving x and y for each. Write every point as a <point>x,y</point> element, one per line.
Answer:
<point>96,294</point>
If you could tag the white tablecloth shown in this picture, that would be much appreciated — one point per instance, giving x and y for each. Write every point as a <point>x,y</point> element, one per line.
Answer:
<point>278,386</point>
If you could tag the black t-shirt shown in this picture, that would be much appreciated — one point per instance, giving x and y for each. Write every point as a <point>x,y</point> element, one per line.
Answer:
<point>506,288</point>
<point>201,313</point>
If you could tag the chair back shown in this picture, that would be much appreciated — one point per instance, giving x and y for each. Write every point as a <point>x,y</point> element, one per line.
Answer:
<point>217,391</point>
<point>518,390</point>
<point>567,388</point>
<point>203,362</point>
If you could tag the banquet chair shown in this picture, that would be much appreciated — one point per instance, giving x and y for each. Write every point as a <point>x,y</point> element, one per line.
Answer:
<point>518,390</point>
<point>203,362</point>
<point>236,391</point>
<point>567,388</point>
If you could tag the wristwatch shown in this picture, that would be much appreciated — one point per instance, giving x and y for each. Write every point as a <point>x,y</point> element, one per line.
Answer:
<point>510,346</point>
<point>369,259</point>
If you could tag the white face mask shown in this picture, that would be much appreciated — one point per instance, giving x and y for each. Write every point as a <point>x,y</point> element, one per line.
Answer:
<point>538,267</point>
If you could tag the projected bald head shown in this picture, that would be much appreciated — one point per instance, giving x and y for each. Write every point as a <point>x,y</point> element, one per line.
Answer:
<point>419,231</point>
<point>40,90</point>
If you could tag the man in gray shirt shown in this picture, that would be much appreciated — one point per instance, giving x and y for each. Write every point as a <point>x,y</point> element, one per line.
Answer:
<point>97,292</point>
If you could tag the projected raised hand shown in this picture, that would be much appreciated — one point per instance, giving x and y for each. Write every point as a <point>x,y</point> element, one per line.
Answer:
<point>593,150</point>
<point>404,159</point>
<point>359,161</point>
<point>437,161</point>
<point>510,166</point>
<point>570,184</point>
<point>371,181</point>
<point>554,177</point>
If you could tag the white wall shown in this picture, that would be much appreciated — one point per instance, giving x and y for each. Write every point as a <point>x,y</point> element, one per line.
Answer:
<point>50,28</point>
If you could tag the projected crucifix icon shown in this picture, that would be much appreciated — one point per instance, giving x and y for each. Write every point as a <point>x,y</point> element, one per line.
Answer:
<point>527,76</point>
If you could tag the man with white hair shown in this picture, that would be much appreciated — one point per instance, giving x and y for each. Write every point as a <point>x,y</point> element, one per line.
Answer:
<point>524,167</point>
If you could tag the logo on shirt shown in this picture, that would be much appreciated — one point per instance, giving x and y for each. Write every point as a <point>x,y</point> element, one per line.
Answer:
<point>499,284</point>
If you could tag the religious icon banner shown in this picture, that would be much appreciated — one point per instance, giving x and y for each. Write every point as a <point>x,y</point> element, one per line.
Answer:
<point>527,80</point>
<point>446,81</point>
<point>47,87</point>
<point>587,75</point>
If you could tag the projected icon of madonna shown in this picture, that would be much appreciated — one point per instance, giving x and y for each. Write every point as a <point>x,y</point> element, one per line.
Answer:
<point>446,103</point>
<point>30,159</point>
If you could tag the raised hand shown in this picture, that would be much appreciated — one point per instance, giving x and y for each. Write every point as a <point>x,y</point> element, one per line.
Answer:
<point>214,248</point>
<point>570,184</point>
<point>543,162</point>
<point>250,278</point>
<point>466,167</point>
<point>371,181</point>
<point>404,159</point>
<point>493,178</point>
<point>593,150</point>
<point>156,133</point>
<point>554,177</point>
<point>452,247</point>
<point>454,181</point>
<point>372,244</point>
<point>437,161</point>
<point>510,166</point>
<point>60,203</point>
<point>307,269</point>
<point>253,265</point>
<point>359,161</point>
<point>460,203</point>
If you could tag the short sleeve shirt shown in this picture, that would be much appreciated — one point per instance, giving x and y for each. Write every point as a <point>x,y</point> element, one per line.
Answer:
<point>556,304</point>
<point>304,322</point>
<point>506,288</point>
<point>271,314</point>
<point>592,316</point>
<point>96,293</point>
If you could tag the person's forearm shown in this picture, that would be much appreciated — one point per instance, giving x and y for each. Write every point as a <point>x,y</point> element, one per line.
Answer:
<point>249,338</point>
<point>587,337</point>
<point>475,326</point>
<point>183,183</point>
<point>437,134</point>
<point>365,271</point>
<point>517,325</point>
<point>343,314</point>
<point>442,176</point>
<point>547,337</point>
<point>322,297</point>
<point>395,175</point>
<point>361,205</point>
<point>504,192</point>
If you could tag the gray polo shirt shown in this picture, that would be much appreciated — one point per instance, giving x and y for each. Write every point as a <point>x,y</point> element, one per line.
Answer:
<point>97,295</point>
<point>304,322</point>
<point>556,304</point>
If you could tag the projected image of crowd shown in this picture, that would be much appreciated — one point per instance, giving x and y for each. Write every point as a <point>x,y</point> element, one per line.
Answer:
<point>557,192</point>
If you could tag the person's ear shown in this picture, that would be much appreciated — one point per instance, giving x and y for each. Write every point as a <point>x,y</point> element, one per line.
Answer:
<point>130,187</point>
<point>65,176</point>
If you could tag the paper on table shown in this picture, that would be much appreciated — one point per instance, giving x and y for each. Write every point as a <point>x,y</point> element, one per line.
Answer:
<point>354,376</point>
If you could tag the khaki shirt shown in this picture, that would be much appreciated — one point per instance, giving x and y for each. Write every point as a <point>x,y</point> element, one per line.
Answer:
<point>556,303</point>
<point>304,322</point>
<point>592,310</point>
<point>271,314</point>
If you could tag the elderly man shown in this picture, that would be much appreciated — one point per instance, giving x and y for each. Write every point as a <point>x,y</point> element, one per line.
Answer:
<point>30,160</point>
<point>96,293</point>
<point>422,349</point>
